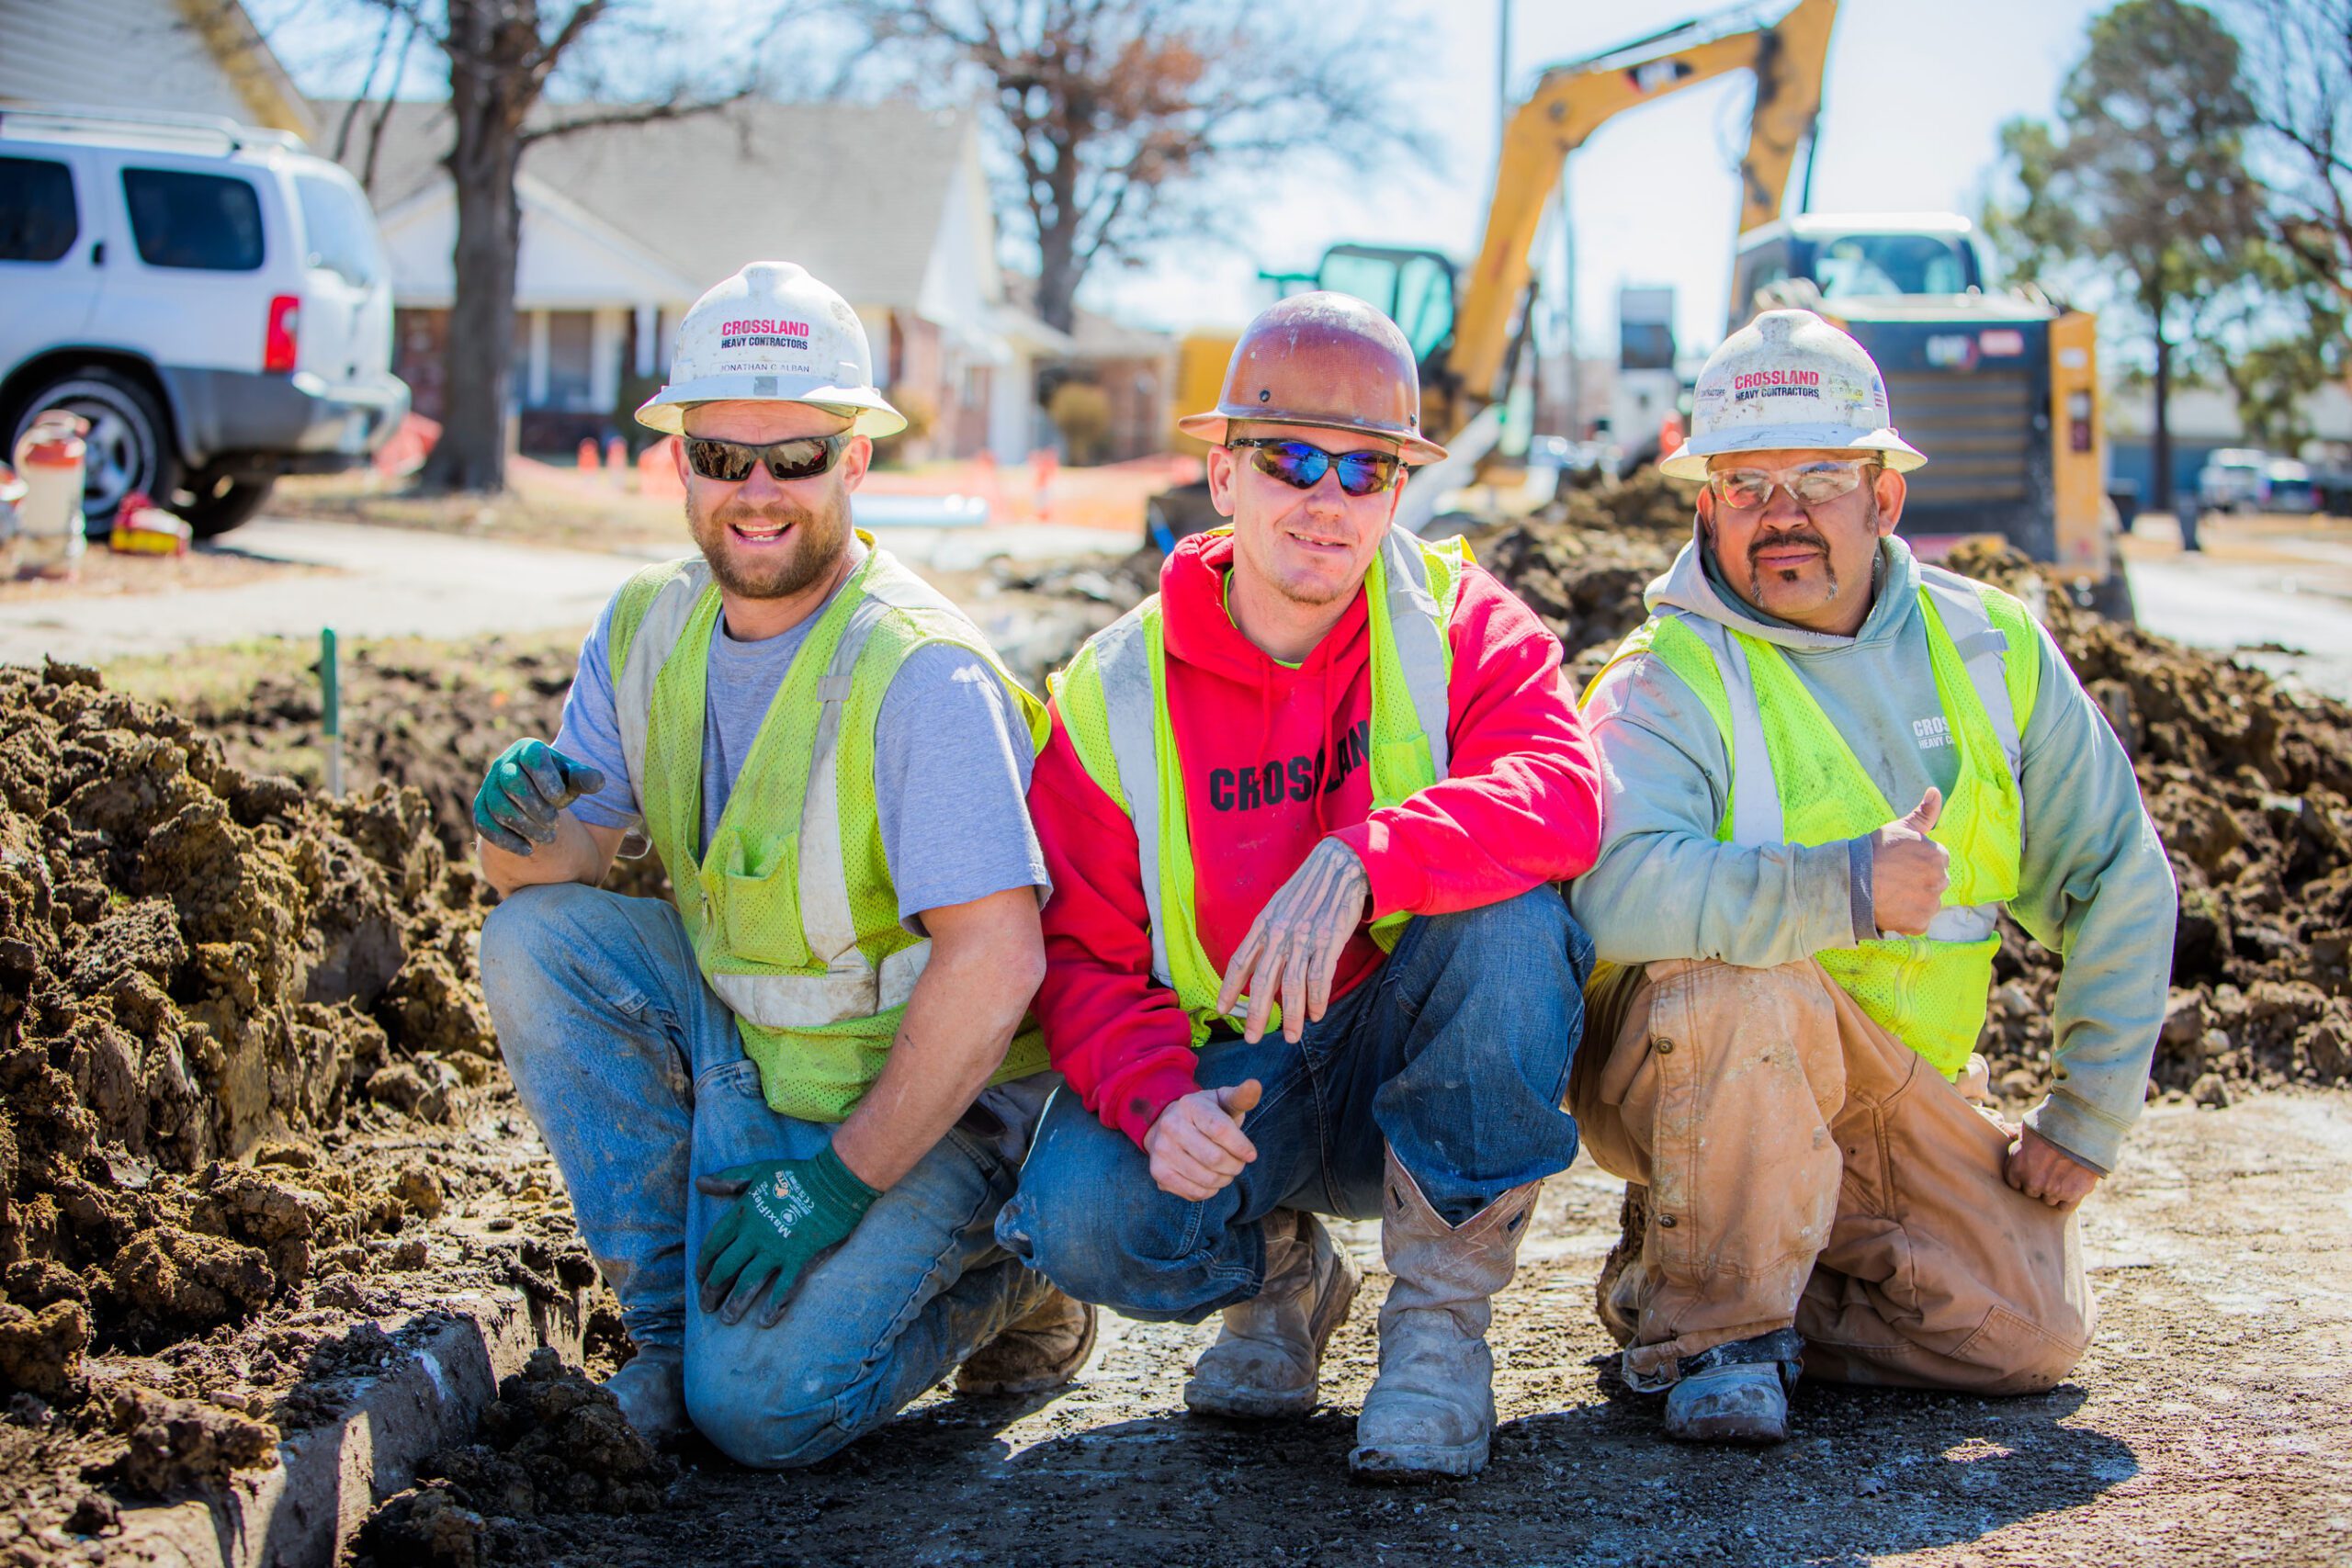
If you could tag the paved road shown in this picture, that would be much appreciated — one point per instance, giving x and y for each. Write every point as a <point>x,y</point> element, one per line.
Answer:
<point>2297,597</point>
<point>398,582</point>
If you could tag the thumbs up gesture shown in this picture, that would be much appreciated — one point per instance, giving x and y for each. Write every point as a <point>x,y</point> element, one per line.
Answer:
<point>1909,871</point>
<point>1196,1146</point>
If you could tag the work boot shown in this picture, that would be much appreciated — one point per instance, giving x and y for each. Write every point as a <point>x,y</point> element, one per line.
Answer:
<point>1736,1392</point>
<point>1618,1294</point>
<point>1432,1410</point>
<point>1041,1349</point>
<point>1267,1361</point>
<point>652,1389</point>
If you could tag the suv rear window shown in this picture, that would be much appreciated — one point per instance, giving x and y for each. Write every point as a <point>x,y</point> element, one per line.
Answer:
<point>38,217</point>
<point>203,223</point>
<point>341,229</point>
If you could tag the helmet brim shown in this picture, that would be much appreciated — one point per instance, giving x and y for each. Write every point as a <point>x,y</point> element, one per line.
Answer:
<point>1213,427</point>
<point>869,412</point>
<point>1689,460</point>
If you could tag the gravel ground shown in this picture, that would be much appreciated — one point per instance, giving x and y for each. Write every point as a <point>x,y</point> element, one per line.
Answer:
<point>2210,1424</point>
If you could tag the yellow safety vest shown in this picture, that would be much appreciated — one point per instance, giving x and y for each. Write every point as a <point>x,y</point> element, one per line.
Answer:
<point>1795,781</point>
<point>1114,701</point>
<point>790,907</point>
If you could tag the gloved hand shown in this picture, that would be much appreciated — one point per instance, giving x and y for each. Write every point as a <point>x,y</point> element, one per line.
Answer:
<point>531,781</point>
<point>787,1211</point>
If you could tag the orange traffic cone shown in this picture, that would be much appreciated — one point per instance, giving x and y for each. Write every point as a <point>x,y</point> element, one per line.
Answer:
<point>657,471</point>
<point>587,454</point>
<point>617,460</point>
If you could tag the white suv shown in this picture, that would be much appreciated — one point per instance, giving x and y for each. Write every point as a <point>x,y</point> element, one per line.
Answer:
<point>213,297</point>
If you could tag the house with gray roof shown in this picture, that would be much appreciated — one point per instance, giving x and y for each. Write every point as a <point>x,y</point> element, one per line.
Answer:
<point>624,226</point>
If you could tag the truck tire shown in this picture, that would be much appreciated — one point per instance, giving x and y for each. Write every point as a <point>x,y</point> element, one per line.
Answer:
<point>218,505</point>
<point>130,443</point>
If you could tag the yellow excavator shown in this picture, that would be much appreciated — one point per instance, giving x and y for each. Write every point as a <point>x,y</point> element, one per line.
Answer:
<point>2000,389</point>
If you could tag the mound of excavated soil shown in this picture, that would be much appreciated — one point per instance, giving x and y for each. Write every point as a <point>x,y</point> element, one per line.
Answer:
<point>2248,782</point>
<point>553,1442</point>
<point>194,958</point>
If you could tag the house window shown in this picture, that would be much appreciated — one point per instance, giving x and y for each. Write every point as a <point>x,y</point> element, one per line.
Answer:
<point>571,336</point>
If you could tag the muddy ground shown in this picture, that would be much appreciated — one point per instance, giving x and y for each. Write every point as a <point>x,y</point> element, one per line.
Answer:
<point>2210,1424</point>
<point>253,1117</point>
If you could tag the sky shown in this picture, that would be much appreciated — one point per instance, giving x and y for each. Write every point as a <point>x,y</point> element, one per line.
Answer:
<point>1916,93</point>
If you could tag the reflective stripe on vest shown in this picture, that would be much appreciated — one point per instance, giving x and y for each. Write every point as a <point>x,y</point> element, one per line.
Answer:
<point>1930,990</point>
<point>1127,657</point>
<point>1755,789</point>
<point>851,988</point>
<point>817,1023</point>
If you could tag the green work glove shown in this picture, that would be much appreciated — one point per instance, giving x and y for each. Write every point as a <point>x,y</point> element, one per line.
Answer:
<point>786,1212</point>
<point>531,781</point>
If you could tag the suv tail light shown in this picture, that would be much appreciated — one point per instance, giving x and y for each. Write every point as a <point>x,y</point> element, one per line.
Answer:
<point>277,352</point>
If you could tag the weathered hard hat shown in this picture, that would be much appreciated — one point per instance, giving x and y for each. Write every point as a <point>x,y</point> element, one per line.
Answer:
<point>773,333</point>
<point>1326,360</point>
<point>1789,380</point>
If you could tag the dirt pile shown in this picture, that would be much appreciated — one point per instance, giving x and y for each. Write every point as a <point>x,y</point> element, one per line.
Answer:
<point>2248,783</point>
<point>554,1442</point>
<point>194,959</point>
<point>430,724</point>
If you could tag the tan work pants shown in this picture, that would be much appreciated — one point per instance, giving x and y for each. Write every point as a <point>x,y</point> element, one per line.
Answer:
<point>1805,1167</point>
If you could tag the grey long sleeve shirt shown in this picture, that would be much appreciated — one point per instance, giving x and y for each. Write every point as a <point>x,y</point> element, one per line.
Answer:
<point>2095,884</point>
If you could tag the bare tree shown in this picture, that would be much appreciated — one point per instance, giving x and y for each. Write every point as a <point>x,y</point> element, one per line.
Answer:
<point>2299,67</point>
<point>1115,114</point>
<point>2141,179</point>
<point>521,71</point>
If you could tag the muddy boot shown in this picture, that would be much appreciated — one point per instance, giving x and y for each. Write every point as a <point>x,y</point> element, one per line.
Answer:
<point>1432,1410</point>
<point>1736,1392</point>
<point>1617,1295</point>
<point>1044,1349</point>
<point>652,1389</point>
<point>1267,1361</point>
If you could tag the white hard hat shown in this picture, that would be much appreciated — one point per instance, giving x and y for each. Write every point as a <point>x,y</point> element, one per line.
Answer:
<point>1789,380</point>
<point>773,333</point>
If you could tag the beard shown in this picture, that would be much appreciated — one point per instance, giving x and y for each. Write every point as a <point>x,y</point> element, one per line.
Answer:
<point>1802,534</point>
<point>809,551</point>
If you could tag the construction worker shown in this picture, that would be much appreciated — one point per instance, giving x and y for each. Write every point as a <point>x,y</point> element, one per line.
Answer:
<point>788,1103</point>
<point>1828,767</point>
<point>1305,809</point>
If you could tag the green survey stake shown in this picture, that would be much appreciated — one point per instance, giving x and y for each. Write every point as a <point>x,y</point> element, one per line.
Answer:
<point>330,704</point>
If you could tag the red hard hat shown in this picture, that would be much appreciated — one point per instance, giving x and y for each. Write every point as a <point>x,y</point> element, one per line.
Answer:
<point>1328,361</point>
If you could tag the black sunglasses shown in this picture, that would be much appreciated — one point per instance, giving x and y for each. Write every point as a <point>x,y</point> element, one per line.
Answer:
<point>1302,466</point>
<point>804,457</point>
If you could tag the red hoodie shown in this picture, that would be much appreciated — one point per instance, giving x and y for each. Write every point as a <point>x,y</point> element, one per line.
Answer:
<point>1274,760</point>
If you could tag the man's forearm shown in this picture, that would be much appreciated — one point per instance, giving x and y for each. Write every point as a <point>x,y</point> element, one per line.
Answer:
<point>577,855</point>
<point>966,1008</point>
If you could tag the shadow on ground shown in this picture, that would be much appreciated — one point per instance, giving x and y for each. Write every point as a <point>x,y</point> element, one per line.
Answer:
<point>1869,1473</point>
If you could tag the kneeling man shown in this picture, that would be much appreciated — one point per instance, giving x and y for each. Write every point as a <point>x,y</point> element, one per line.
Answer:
<point>1304,810</point>
<point>1828,768</point>
<point>788,1104</point>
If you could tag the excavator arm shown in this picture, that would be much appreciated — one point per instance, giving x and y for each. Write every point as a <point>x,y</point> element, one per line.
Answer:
<point>1571,101</point>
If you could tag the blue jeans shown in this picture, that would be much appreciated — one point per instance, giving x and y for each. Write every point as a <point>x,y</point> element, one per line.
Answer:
<point>634,1073</point>
<point>1455,1054</point>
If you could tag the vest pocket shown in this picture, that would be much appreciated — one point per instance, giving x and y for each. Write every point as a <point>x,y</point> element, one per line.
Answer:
<point>755,906</point>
